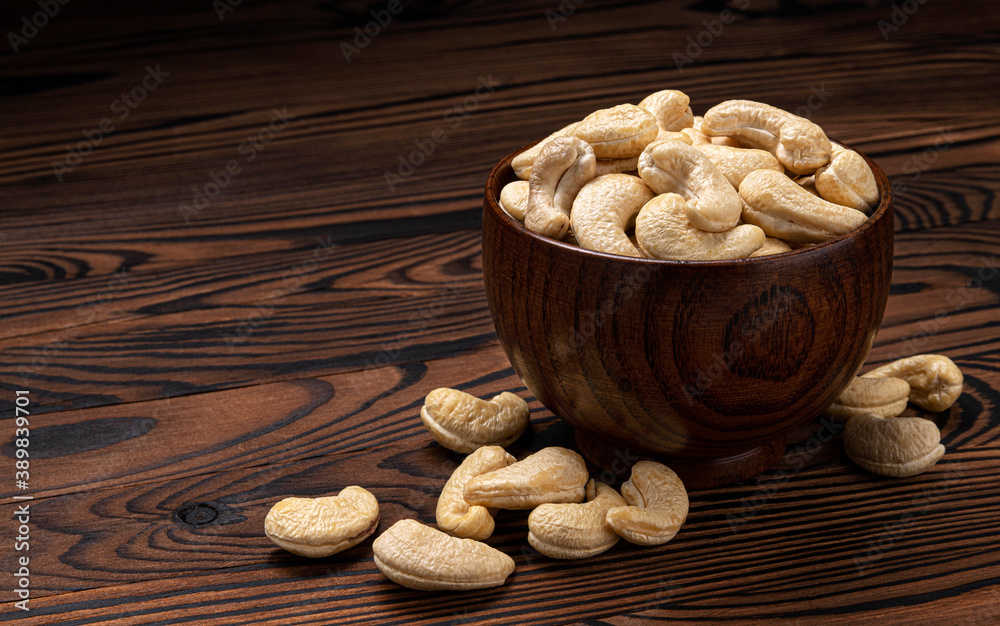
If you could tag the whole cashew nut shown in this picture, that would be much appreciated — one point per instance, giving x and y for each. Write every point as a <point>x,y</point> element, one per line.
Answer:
<point>550,475</point>
<point>454,515</point>
<point>602,210</point>
<point>523,162</point>
<point>847,180</point>
<point>786,211</point>
<point>658,505</point>
<point>318,527</point>
<point>893,446</point>
<point>935,381</point>
<point>885,397</point>
<point>575,531</point>
<point>463,423</point>
<point>514,199</point>
<point>619,132</point>
<point>670,107</point>
<point>564,166</point>
<point>675,167</point>
<point>734,163</point>
<point>663,231</point>
<point>799,144</point>
<point>420,557</point>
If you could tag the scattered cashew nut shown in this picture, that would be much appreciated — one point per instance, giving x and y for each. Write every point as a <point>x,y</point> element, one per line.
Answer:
<point>514,199</point>
<point>318,527</point>
<point>786,211</point>
<point>620,132</point>
<point>935,381</point>
<point>671,108</point>
<point>885,397</point>
<point>847,180</point>
<point>420,557</point>
<point>675,167</point>
<point>550,475</point>
<point>894,446</point>
<point>799,144</point>
<point>575,531</point>
<point>564,166</point>
<point>658,505</point>
<point>663,231</point>
<point>463,423</point>
<point>603,209</point>
<point>454,515</point>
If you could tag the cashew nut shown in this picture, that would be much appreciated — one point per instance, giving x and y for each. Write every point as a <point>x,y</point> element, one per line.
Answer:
<point>719,141</point>
<point>420,557</point>
<point>671,135</point>
<point>799,144</point>
<point>461,422</point>
<point>602,210</point>
<point>772,246</point>
<point>575,531</point>
<point>619,132</point>
<point>885,397</point>
<point>514,199</point>
<point>563,167</point>
<point>615,166</point>
<point>787,211</point>
<point>522,163</point>
<point>670,107</point>
<point>550,475</point>
<point>454,515</point>
<point>734,163</point>
<point>894,446</point>
<point>663,231</point>
<point>935,381</point>
<point>658,505</point>
<point>847,180</point>
<point>675,167</point>
<point>318,527</point>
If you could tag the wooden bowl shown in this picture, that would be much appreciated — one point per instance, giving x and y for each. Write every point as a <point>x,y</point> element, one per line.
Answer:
<point>703,365</point>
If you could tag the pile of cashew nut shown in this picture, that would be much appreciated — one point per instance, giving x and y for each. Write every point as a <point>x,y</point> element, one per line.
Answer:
<point>652,180</point>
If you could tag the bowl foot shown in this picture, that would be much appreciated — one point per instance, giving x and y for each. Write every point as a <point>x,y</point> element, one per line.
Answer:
<point>696,473</point>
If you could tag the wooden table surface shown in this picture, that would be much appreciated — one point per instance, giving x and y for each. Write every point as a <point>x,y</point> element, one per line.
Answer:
<point>239,243</point>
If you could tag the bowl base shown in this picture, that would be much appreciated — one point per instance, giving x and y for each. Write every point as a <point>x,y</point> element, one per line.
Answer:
<point>696,473</point>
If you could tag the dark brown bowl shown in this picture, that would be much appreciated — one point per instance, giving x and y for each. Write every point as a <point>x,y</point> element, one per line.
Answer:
<point>704,365</point>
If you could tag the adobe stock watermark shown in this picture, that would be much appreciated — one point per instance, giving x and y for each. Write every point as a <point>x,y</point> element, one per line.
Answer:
<point>363,35</point>
<point>565,9</point>
<point>39,19</point>
<point>917,164</point>
<point>291,280</point>
<point>704,39</point>
<point>893,531</point>
<point>122,107</point>
<point>901,14</point>
<point>219,179</point>
<point>453,117</point>
<point>225,6</point>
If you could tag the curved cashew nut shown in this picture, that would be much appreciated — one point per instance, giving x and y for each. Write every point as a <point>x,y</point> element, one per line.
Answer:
<point>785,210</point>
<point>935,381</point>
<point>771,246</point>
<point>658,505</point>
<point>575,531</point>
<point>420,557</point>
<point>603,209</point>
<point>514,199</point>
<point>318,527</point>
<point>550,475</point>
<point>670,107</point>
<point>522,163</point>
<point>847,180</point>
<point>463,423</point>
<point>454,515</point>
<point>563,167</point>
<point>799,144</point>
<point>663,231</point>
<point>885,397</point>
<point>619,132</point>
<point>675,167</point>
<point>894,446</point>
<point>734,163</point>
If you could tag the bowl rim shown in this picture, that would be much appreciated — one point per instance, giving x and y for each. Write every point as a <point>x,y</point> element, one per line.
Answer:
<point>883,210</point>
